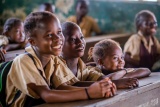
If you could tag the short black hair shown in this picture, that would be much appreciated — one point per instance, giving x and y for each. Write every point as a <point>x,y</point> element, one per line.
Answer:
<point>10,23</point>
<point>141,16</point>
<point>80,1</point>
<point>32,21</point>
<point>68,28</point>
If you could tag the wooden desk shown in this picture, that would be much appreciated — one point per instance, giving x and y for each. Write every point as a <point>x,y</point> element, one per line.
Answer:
<point>12,54</point>
<point>121,38</point>
<point>146,95</point>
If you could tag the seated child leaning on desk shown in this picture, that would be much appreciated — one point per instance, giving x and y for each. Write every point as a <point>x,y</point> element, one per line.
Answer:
<point>13,37</point>
<point>109,58</point>
<point>73,49</point>
<point>37,81</point>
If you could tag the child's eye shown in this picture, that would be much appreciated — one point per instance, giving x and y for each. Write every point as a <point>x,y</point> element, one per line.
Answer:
<point>49,35</point>
<point>82,37</point>
<point>59,32</point>
<point>115,58</point>
<point>73,40</point>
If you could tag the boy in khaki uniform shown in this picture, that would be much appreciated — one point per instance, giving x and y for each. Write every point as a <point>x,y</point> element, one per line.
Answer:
<point>36,81</point>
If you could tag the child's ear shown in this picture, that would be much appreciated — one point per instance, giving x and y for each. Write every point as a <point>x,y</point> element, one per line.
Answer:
<point>31,41</point>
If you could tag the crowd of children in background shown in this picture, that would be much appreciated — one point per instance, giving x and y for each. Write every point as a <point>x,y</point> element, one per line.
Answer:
<point>51,69</point>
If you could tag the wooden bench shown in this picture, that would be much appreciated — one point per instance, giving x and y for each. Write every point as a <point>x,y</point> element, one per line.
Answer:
<point>121,38</point>
<point>146,95</point>
<point>12,54</point>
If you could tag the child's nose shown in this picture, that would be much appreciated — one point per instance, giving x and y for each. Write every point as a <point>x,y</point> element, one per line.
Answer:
<point>121,60</point>
<point>57,38</point>
<point>79,41</point>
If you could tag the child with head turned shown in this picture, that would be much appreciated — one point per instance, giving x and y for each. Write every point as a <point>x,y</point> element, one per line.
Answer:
<point>143,49</point>
<point>47,7</point>
<point>13,37</point>
<point>73,49</point>
<point>37,78</point>
<point>109,58</point>
<point>86,23</point>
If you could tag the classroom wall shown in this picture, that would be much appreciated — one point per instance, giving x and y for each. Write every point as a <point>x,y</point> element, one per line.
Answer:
<point>111,16</point>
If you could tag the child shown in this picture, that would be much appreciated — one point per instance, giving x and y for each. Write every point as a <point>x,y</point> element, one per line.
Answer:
<point>47,7</point>
<point>143,49</point>
<point>109,58</point>
<point>36,80</point>
<point>13,37</point>
<point>73,49</point>
<point>86,23</point>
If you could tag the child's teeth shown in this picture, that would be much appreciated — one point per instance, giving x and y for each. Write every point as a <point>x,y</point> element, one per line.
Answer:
<point>58,46</point>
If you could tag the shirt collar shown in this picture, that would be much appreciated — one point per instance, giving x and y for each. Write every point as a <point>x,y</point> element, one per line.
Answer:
<point>148,47</point>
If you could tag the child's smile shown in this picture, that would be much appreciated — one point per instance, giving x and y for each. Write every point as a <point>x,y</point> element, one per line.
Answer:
<point>50,38</point>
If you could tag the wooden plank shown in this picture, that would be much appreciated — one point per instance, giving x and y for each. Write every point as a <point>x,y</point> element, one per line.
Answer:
<point>12,54</point>
<point>146,95</point>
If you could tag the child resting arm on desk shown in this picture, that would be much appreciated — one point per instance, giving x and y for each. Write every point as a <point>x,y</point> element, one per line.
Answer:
<point>13,37</point>
<point>109,58</point>
<point>36,78</point>
<point>73,49</point>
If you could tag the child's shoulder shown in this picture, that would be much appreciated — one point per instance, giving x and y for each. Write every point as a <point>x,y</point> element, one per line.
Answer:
<point>89,18</point>
<point>134,37</point>
<point>91,68</point>
<point>3,40</point>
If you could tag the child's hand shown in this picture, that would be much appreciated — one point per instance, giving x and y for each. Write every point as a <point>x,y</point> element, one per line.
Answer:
<point>103,88</point>
<point>126,83</point>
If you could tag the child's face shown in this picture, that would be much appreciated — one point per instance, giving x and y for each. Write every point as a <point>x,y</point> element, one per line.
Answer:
<point>149,26</point>
<point>48,37</point>
<point>82,9</point>
<point>74,45</point>
<point>16,34</point>
<point>114,60</point>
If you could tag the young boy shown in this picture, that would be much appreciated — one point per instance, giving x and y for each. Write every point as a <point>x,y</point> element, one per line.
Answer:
<point>143,49</point>
<point>86,23</point>
<point>37,80</point>
<point>109,58</point>
<point>73,49</point>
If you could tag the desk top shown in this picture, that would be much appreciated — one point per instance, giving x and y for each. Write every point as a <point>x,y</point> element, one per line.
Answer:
<point>12,54</point>
<point>107,36</point>
<point>145,84</point>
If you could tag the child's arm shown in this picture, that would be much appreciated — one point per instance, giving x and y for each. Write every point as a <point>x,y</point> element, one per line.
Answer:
<point>129,73</point>
<point>124,83</point>
<point>97,90</point>
<point>137,73</point>
<point>75,86</point>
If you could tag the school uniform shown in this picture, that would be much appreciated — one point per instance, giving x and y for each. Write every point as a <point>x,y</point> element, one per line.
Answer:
<point>23,71</point>
<point>87,25</point>
<point>86,73</point>
<point>141,51</point>
<point>3,40</point>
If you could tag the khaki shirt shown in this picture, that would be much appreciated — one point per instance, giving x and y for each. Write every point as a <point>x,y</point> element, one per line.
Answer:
<point>132,46</point>
<point>87,25</point>
<point>86,73</point>
<point>23,71</point>
<point>3,40</point>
